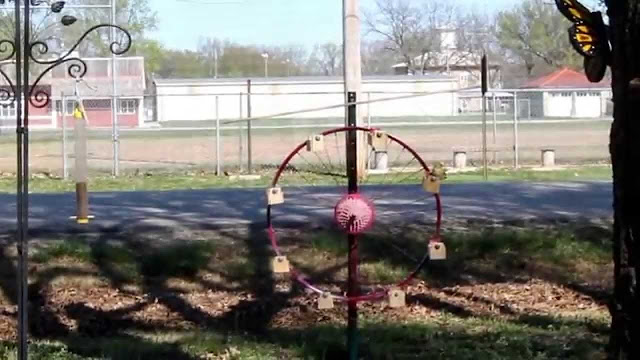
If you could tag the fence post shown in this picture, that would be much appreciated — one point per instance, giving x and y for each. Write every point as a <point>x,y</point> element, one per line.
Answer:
<point>115,136</point>
<point>240,140</point>
<point>249,152</point>
<point>515,130</point>
<point>218,157</point>
<point>495,129</point>
<point>63,117</point>
<point>369,109</point>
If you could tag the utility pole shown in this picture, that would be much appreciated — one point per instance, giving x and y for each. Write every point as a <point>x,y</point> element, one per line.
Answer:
<point>355,164</point>
<point>353,70</point>
<point>351,48</point>
<point>265,56</point>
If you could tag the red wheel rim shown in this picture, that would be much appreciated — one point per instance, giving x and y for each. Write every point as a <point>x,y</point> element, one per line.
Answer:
<point>383,289</point>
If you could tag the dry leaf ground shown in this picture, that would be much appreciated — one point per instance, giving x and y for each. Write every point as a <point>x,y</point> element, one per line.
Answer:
<point>525,291</point>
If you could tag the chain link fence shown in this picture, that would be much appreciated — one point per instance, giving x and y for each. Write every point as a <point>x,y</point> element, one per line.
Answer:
<point>200,135</point>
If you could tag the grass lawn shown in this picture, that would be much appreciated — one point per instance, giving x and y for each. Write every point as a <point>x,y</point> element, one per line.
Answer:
<point>507,291</point>
<point>203,180</point>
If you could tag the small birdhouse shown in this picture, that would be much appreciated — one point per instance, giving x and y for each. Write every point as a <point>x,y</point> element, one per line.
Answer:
<point>280,265</point>
<point>275,196</point>
<point>325,301</point>
<point>379,140</point>
<point>431,184</point>
<point>437,251</point>
<point>397,298</point>
<point>315,143</point>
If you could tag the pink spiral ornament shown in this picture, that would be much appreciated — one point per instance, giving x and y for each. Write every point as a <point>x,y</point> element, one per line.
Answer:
<point>355,214</point>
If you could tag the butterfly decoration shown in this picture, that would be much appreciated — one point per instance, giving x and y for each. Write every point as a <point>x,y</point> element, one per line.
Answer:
<point>589,36</point>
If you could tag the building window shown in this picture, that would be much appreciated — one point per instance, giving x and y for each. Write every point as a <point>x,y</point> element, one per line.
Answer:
<point>561,94</point>
<point>127,106</point>
<point>71,105</point>
<point>95,104</point>
<point>8,111</point>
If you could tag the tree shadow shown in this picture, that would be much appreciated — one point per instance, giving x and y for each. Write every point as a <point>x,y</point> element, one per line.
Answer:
<point>154,262</point>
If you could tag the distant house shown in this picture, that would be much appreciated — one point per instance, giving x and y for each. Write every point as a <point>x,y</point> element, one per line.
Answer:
<point>451,60</point>
<point>130,84</point>
<point>566,93</point>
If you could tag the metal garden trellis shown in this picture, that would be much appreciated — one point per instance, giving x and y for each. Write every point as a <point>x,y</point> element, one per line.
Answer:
<point>22,50</point>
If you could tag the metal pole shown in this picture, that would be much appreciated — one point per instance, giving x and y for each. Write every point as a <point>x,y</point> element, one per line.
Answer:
<point>114,101</point>
<point>65,166</point>
<point>495,129</point>
<point>22,241</point>
<point>240,140</point>
<point>218,156</point>
<point>485,160</point>
<point>249,152</point>
<point>81,170</point>
<point>515,130</point>
<point>485,87</point>
<point>368,109</point>
<point>352,174</point>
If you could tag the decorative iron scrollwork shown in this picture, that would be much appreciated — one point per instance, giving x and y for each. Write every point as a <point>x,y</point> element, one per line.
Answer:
<point>40,98</point>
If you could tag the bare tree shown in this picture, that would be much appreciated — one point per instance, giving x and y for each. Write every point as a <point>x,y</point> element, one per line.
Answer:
<point>329,58</point>
<point>375,59</point>
<point>212,49</point>
<point>410,29</point>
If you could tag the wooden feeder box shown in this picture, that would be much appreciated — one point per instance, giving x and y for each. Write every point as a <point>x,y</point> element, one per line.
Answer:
<point>280,265</point>
<point>275,196</point>
<point>379,140</point>
<point>315,143</point>
<point>437,251</point>
<point>397,298</point>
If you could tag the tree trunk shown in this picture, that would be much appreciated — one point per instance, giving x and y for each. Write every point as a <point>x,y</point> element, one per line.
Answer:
<point>624,18</point>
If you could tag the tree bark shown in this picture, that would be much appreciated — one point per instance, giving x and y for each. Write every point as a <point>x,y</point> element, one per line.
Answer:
<point>624,18</point>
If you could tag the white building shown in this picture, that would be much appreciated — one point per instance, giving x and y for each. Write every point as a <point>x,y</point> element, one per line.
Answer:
<point>454,61</point>
<point>566,93</point>
<point>182,100</point>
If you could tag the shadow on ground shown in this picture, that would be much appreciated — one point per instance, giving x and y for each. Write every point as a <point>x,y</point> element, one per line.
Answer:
<point>167,293</point>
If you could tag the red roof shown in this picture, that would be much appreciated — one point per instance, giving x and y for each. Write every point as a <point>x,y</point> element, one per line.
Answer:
<point>564,78</point>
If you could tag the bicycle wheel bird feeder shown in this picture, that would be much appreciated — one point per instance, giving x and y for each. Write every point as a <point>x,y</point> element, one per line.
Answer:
<point>354,203</point>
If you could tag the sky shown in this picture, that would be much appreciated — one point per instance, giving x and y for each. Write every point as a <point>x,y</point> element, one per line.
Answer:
<point>269,22</point>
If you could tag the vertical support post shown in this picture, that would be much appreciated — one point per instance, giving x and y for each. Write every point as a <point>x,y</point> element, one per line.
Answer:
<point>485,86</point>
<point>495,128</point>
<point>22,144</point>
<point>353,68</point>
<point>249,152</point>
<point>218,156</point>
<point>240,138</point>
<point>485,159</point>
<point>352,175</point>
<point>63,117</point>
<point>515,131</point>
<point>114,102</point>
<point>81,170</point>
<point>368,109</point>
